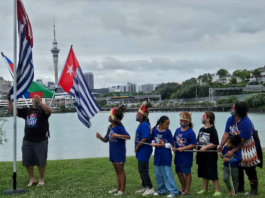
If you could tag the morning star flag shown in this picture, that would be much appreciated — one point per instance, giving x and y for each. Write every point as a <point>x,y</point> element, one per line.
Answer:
<point>25,70</point>
<point>73,82</point>
<point>10,65</point>
<point>34,89</point>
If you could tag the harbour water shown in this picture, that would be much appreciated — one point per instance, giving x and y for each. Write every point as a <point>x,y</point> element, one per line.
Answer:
<point>70,139</point>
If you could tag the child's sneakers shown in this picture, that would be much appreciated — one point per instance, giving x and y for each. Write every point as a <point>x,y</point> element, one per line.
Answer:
<point>113,191</point>
<point>217,194</point>
<point>120,193</point>
<point>157,194</point>
<point>201,192</point>
<point>171,195</point>
<point>148,191</point>
<point>141,191</point>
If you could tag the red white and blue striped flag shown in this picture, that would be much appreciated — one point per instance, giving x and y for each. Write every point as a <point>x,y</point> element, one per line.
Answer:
<point>73,82</point>
<point>25,70</point>
<point>10,65</point>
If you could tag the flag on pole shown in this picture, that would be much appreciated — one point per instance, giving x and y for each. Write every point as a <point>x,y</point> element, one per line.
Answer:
<point>10,65</point>
<point>34,89</point>
<point>73,82</point>
<point>25,70</point>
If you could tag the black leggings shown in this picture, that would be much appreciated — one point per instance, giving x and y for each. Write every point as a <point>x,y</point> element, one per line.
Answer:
<point>251,173</point>
<point>143,168</point>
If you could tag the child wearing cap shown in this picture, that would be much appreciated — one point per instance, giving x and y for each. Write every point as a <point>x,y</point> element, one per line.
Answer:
<point>184,139</point>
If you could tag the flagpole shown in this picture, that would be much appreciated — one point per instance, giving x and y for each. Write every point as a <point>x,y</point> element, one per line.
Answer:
<point>15,190</point>
<point>15,100</point>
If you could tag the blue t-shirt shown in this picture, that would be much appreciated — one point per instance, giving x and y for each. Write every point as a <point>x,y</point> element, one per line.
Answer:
<point>145,151</point>
<point>117,149</point>
<point>182,139</point>
<point>245,127</point>
<point>163,156</point>
<point>235,159</point>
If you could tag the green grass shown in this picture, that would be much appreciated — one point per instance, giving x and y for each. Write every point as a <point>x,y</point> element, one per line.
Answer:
<point>95,177</point>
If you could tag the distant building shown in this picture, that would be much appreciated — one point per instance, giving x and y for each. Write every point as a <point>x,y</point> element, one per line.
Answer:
<point>147,88</point>
<point>50,84</point>
<point>259,79</point>
<point>89,79</point>
<point>5,85</point>
<point>99,91</point>
<point>131,87</point>
<point>121,88</point>
<point>112,89</point>
<point>39,81</point>
<point>226,79</point>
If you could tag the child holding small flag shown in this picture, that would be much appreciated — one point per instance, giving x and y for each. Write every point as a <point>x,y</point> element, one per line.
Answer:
<point>162,139</point>
<point>184,139</point>
<point>116,137</point>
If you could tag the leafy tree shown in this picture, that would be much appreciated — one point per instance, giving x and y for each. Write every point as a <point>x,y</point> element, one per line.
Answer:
<point>190,81</point>
<point>222,72</point>
<point>167,89</point>
<point>233,80</point>
<point>256,73</point>
<point>207,78</point>
<point>244,75</point>
<point>237,73</point>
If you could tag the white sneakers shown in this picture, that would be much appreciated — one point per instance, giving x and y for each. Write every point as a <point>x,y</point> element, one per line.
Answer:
<point>113,191</point>
<point>148,191</point>
<point>120,193</point>
<point>141,191</point>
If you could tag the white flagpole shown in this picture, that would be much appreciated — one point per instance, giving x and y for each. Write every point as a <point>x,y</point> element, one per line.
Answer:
<point>15,190</point>
<point>15,100</point>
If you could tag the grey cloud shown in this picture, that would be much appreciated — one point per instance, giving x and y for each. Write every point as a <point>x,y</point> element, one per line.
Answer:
<point>148,40</point>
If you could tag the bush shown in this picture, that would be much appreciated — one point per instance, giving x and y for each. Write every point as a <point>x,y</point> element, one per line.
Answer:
<point>257,102</point>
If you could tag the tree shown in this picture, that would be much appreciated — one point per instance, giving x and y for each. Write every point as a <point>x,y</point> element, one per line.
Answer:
<point>244,75</point>
<point>256,73</point>
<point>222,72</point>
<point>237,73</point>
<point>233,80</point>
<point>190,81</point>
<point>207,78</point>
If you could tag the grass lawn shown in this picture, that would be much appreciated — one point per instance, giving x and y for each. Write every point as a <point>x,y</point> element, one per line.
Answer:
<point>95,177</point>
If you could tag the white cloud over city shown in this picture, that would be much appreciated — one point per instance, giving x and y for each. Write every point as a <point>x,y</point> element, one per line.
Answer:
<point>142,41</point>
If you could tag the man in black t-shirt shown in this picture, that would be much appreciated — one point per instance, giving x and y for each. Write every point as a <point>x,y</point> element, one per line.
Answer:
<point>35,141</point>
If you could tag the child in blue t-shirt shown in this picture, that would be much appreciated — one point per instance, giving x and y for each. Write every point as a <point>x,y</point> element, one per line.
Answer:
<point>163,142</point>
<point>231,164</point>
<point>184,139</point>
<point>116,136</point>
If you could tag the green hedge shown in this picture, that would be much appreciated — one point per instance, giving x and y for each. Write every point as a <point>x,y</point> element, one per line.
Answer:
<point>255,100</point>
<point>227,100</point>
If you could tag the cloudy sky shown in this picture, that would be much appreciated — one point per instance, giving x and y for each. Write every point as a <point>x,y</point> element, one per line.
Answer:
<point>142,41</point>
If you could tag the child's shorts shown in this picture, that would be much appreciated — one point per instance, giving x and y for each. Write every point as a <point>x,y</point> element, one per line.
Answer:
<point>183,169</point>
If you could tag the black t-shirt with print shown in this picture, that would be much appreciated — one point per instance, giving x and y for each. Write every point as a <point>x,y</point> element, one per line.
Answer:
<point>36,124</point>
<point>206,137</point>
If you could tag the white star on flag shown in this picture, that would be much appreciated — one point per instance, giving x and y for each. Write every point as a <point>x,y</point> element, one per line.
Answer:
<point>70,70</point>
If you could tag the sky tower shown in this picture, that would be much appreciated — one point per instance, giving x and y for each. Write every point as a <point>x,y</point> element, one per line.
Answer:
<point>55,52</point>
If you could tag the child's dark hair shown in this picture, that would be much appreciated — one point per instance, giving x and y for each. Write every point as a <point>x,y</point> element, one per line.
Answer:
<point>161,120</point>
<point>145,119</point>
<point>191,125</point>
<point>210,115</point>
<point>235,140</point>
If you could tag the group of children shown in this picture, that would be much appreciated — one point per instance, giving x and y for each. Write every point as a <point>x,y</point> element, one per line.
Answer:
<point>181,143</point>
